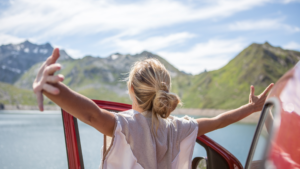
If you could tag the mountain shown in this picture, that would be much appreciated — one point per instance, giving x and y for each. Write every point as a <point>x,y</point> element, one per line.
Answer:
<point>225,88</point>
<point>15,59</point>
<point>98,78</point>
<point>229,87</point>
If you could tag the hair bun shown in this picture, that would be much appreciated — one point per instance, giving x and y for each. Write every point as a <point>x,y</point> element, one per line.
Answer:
<point>163,86</point>
<point>164,102</point>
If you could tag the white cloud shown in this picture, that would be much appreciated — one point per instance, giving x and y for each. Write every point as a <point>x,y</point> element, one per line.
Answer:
<point>74,53</point>
<point>265,24</point>
<point>150,44</point>
<point>292,45</point>
<point>122,24</point>
<point>56,17</point>
<point>209,55</point>
<point>6,39</point>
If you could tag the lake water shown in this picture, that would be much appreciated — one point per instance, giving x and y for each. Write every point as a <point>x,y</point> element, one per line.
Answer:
<point>29,139</point>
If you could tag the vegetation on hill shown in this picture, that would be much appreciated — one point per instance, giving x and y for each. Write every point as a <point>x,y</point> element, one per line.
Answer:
<point>225,88</point>
<point>229,87</point>
<point>11,95</point>
<point>98,78</point>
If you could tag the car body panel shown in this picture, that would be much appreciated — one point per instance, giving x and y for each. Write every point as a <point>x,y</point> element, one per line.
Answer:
<point>285,145</point>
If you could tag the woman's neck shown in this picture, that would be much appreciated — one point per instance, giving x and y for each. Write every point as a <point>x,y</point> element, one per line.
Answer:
<point>136,107</point>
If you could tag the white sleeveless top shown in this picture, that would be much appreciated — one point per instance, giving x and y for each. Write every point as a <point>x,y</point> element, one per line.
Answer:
<point>134,146</point>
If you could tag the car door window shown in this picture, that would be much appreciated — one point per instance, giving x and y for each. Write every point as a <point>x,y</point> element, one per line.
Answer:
<point>83,142</point>
<point>199,151</point>
<point>91,143</point>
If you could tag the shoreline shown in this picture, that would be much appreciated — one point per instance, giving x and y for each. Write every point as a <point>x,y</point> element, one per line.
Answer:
<point>253,118</point>
<point>28,107</point>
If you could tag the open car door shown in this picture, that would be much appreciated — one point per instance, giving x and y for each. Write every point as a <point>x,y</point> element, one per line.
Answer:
<point>217,156</point>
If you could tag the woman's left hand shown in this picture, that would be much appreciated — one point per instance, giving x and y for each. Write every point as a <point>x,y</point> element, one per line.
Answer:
<point>45,79</point>
<point>257,102</point>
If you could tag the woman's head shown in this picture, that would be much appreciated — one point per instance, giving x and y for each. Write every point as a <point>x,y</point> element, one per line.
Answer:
<point>150,81</point>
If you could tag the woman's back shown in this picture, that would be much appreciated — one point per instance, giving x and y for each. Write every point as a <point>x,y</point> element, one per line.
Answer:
<point>135,146</point>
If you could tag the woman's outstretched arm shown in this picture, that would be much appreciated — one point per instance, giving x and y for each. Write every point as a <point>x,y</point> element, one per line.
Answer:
<point>74,103</point>
<point>255,104</point>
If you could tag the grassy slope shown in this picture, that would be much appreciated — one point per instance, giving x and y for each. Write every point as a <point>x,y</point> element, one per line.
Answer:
<point>12,95</point>
<point>96,78</point>
<point>225,88</point>
<point>228,87</point>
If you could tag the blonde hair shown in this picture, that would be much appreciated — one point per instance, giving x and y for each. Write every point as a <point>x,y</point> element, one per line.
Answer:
<point>151,84</point>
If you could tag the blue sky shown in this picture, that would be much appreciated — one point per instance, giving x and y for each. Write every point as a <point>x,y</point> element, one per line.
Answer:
<point>192,35</point>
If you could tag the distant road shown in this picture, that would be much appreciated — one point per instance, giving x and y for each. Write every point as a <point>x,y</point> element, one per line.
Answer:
<point>26,107</point>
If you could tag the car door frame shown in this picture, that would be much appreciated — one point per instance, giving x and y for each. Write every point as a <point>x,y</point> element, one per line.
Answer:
<point>71,132</point>
<point>276,108</point>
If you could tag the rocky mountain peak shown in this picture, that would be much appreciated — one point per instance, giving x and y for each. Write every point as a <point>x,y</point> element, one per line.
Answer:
<point>26,42</point>
<point>15,59</point>
<point>146,53</point>
<point>267,44</point>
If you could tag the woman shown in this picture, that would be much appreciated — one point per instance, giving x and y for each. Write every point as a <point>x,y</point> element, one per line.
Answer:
<point>146,136</point>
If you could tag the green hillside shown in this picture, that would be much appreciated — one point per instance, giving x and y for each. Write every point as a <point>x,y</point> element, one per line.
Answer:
<point>228,87</point>
<point>98,78</point>
<point>12,95</point>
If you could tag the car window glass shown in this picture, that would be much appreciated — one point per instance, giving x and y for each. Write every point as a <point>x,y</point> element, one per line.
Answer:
<point>199,151</point>
<point>91,143</point>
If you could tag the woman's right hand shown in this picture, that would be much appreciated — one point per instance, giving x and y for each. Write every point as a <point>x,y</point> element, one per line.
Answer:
<point>45,78</point>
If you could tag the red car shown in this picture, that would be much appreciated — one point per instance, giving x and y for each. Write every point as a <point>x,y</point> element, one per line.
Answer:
<point>279,124</point>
